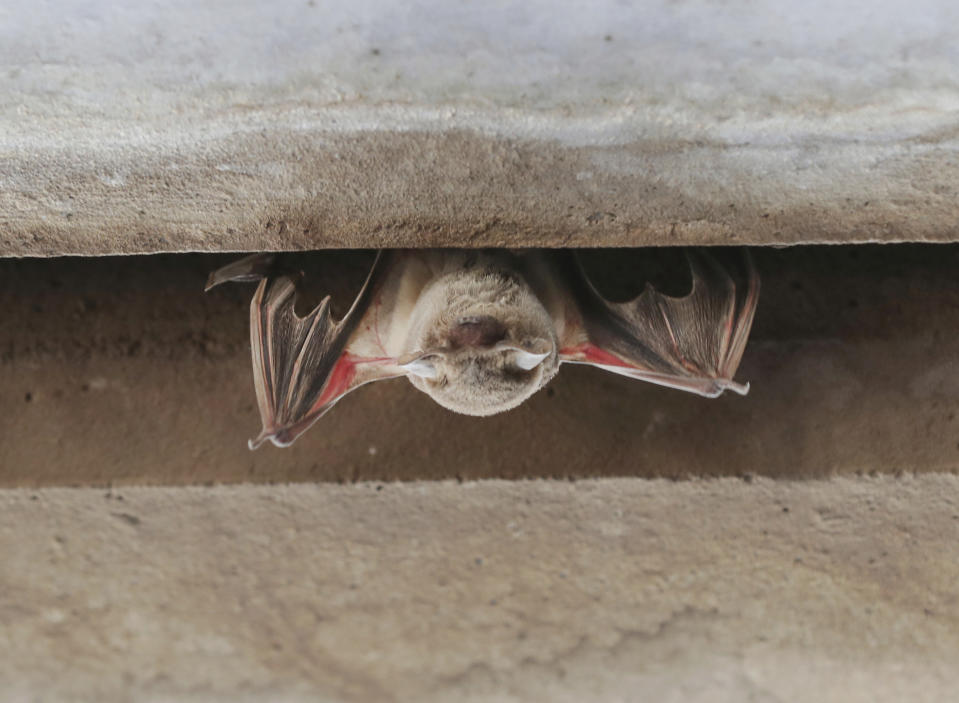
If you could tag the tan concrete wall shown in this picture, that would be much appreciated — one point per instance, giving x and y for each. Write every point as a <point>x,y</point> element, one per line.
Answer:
<point>301,125</point>
<point>130,127</point>
<point>824,591</point>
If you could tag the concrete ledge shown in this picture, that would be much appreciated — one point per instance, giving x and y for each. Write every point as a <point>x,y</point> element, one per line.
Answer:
<point>302,125</point>
<point>721,590</point>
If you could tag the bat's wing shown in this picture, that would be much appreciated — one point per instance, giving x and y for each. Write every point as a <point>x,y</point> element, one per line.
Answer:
<point>693,343</point>
<point>303,365</point>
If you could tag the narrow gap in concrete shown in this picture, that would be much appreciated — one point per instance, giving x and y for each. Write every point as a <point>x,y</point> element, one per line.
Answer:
<point>121,371</point>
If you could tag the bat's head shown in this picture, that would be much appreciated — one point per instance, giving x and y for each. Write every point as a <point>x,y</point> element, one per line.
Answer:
<point>490,344</point>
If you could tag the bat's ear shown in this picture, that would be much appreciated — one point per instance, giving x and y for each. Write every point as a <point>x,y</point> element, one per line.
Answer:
<point>531,354</point>
<point>421,365</point>
<point>528,360</point>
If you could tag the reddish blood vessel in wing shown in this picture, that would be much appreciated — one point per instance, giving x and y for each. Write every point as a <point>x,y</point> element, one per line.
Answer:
<point>594,355</point>
<point>340,379</point>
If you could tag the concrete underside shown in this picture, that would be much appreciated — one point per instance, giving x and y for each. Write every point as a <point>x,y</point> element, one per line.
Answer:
<point>719,590</point>
<point>303,125</point>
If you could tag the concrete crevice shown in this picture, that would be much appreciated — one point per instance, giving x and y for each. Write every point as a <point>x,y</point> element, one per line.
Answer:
<point>121,370</point>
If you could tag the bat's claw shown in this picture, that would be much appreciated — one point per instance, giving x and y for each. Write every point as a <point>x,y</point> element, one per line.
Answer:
<point>265,435</point>
<point>258,441</point>
<point>739,388</point>
<point>247,270</point>
<point>211,282</point>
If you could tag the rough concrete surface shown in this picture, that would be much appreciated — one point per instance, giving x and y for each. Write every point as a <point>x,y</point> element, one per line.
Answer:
<point>300,124</point>
<point>121,371</point>
<point>612,590</point>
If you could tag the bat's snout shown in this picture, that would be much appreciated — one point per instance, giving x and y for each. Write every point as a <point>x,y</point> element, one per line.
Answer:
<point>481,331</point>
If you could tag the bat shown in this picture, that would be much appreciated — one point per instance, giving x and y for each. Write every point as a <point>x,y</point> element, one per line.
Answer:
<point>481,331</point>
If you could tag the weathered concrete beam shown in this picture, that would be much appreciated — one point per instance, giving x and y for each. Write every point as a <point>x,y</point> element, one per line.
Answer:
<point>720,590</point>
<point>298,125</point>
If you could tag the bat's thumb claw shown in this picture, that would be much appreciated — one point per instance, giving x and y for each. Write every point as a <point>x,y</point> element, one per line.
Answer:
<point>211,282</point>
<point>740,388</point>
<point>258,440</point>
<point>279,437</point>
<point>246,270</point>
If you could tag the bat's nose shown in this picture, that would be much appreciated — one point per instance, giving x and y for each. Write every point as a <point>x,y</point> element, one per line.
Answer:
<point>477,331</point>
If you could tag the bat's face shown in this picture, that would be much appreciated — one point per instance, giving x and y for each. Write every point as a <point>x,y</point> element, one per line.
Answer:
<point>483,341</point>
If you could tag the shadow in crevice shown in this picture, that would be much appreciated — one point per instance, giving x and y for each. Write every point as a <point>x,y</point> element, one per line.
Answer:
<point>120,370</point>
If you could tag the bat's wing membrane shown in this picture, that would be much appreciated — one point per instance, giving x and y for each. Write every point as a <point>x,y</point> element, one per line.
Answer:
<point>693,343</point>
<point>303,365</point>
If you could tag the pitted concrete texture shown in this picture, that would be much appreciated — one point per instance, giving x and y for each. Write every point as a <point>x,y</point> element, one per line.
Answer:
<point>621,589</point>
<point>307,124</point>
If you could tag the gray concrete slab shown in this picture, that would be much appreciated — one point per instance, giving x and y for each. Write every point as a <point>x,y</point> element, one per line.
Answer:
<point>134,127</point>
<point>720,590</point>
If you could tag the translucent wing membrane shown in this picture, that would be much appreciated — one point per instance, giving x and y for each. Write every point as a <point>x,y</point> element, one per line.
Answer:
<point>693,343</point>
<point>302,365</point>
